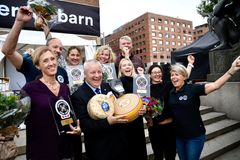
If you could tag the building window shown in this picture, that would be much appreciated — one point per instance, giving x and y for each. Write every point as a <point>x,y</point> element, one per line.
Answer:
<point>160,27</point>
<point>183,25</point>
<point>153,34</point>
<point>152,19</point>
<point>188,26</point>
<point>161,49</point>
<point>178,37</point>
<point>184,38</point>
<point>189,38</point>
<point>154,41</point>
<point>167,43</point>
<point>160,42</point>
<point>172,23</point>
<point>160,35</point>
<point>173,43</point>
<point>152,26</point>
<point>166,28</point>
<point>154,49</point>
<point>159,20</point>
<point>167,49</point>
<point>166,35</point>
<point>155,56</point>
<point>161,56</point>
<point>179,44</point>
<point>172,29</point>
<point>166,21</point>
<point>178,24</point>
<point>173,36</point>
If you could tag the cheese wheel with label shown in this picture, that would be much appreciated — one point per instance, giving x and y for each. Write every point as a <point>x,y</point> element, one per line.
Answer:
<point>100,106</point>
<point>128,105</point>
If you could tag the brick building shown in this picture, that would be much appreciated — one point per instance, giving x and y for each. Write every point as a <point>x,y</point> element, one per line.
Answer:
<point>199,31</point>
<point>154,36</point>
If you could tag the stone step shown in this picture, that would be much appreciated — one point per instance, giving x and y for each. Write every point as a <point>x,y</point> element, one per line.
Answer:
<point>220,144</point>
<point>230,155</point>
<point>220,127</point>
<point>205,109</point>
<point>212,117</point>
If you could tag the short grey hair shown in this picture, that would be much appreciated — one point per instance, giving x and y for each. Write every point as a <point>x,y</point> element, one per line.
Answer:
<point>180,69</point>
<point>87,63</point>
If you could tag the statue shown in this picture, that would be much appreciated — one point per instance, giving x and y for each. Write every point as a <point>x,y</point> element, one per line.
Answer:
<point>225,22</point>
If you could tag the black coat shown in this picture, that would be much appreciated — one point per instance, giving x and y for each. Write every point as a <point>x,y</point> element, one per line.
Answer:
<point>102,141</point>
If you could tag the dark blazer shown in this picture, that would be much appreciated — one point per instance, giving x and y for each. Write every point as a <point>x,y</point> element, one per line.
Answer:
<point>102,141</point>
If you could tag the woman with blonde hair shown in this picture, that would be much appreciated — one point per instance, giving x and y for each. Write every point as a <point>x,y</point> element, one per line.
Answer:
<point>184,101</point>
<point>105,55</point>
<point>135,129</point>
<point>43,138</point>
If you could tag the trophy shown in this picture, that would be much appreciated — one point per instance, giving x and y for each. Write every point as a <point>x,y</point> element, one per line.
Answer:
<point>109,71</point>
<point>44,12</point>
<point>63,114</point>
<point>141,85</point>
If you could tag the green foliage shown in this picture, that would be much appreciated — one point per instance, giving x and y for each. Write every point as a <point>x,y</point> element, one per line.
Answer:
<point>8,102</point>
<point>13,110</point>
<point>205,8</point>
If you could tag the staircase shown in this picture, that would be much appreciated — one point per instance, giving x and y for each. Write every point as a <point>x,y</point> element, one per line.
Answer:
<point>222,136</point>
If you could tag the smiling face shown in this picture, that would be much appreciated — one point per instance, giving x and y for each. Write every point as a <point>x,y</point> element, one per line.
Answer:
<point>125,42</point>
<point>156,75</point>
<point>74,57</point>
<point>126,67</point>
<point>104,56</point>
<point>93,73</point>
<point>178,76</point>
<point>48,63</point>
<point>56,46</point>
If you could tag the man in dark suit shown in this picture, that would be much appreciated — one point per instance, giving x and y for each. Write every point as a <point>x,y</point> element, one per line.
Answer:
<point>105,138</point>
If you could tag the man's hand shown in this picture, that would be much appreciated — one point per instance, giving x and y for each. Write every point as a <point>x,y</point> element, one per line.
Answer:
<point>24,14</point>
<point>116,119</point>
<point>126,51</point>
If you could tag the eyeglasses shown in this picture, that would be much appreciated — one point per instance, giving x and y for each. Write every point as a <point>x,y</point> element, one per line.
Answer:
<point>155,73</point>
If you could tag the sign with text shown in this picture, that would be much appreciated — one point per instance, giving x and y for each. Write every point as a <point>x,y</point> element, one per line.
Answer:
<point>72,17</point>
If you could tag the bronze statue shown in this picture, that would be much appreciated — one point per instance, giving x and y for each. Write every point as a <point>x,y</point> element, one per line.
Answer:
<point>225,22</point>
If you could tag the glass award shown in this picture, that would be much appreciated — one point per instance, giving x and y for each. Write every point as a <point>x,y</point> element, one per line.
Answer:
<point>141,85</point>
<point>63,115</point>
<point>117,86</point>
<point>109,72</point>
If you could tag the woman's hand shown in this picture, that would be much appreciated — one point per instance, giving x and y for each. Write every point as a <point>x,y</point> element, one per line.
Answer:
<point>75,130</point>
<point>191,59</point>
<point>140,70</point>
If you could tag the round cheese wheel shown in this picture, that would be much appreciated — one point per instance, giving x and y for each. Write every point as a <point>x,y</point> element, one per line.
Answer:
<point>128,105</point>
<point>100,106</point>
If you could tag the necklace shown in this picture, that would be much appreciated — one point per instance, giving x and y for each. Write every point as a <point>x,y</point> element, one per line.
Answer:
<point>51,84</point>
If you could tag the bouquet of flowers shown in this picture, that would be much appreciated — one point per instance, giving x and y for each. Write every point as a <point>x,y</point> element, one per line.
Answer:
<point>44,12</point>
<point>13,111</point>
<point>154,108</point>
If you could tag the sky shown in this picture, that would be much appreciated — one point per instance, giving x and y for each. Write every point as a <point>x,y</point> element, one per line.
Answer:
<point>115,13</point>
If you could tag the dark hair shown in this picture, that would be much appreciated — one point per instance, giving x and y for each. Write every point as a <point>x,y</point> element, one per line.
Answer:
<point>153,66</point>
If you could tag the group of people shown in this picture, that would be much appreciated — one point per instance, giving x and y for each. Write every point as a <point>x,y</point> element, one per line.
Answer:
<point>178,129</point>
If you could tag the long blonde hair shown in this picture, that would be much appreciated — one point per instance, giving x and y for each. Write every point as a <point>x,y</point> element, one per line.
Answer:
<point>119,68</point>
<point>112,57</point>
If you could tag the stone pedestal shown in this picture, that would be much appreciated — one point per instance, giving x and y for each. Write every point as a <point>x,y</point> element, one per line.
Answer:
<point>220,61</point>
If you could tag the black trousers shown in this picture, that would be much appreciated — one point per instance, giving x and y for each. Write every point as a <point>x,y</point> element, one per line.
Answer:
<point>163,141</point>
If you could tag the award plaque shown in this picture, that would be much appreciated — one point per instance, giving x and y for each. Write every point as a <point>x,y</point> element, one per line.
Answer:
<point>141,85</point>
<point>75,76</point>
<point>63,115</point>
<point>117,86</point>
<point>109,71</point>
